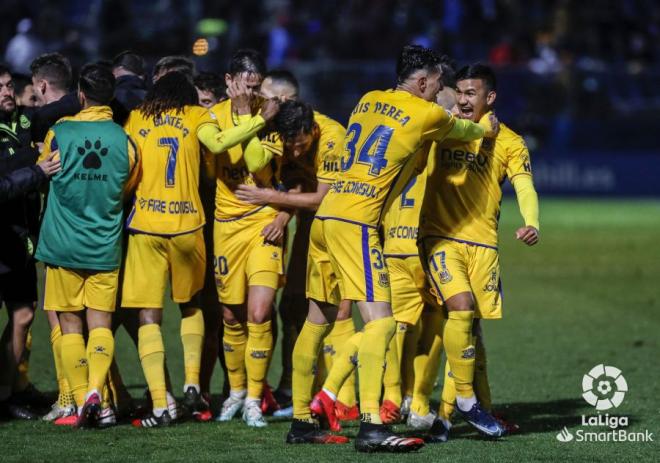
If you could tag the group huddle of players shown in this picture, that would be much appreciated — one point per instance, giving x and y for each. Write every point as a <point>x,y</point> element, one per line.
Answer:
<point>396,214</point>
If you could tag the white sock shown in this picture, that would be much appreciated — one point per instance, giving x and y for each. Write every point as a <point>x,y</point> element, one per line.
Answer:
<point>465,404</point>
<point>240,395</point>
<point>330,394</point>
<point>158,412</point>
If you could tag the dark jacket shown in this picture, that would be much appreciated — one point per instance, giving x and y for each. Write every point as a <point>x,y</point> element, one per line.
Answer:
<point>20,181</point>
<point>20,216</point>
<point>129,93</point>
<point>46,116</point>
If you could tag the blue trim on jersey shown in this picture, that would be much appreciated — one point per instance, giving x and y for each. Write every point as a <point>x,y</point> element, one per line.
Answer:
<point>499,287</point>
<point>428,273</point>
<point>135,231</point>
<point>247,214</point>
<point>366,262</point>
<point>472,243</point>
<point>328,217</point>
<point>130,216</point>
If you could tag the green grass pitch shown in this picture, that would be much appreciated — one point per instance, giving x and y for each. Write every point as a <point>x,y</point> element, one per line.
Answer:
<point>587,294</point>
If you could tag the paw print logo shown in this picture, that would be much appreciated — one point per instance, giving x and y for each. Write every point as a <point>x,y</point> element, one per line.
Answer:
<point>93,154</point>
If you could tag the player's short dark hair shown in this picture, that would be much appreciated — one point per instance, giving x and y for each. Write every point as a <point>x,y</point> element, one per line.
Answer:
<point>247,60</point>
<point>293,118</point>
<point>5,70</point>
<point>53,68</point>
<point>283,76</point>
<point>130,61</point>
<point>175,63</point>
<point>478,71</point>
<point>210,82</point>
<point>448,67</point>
<point>97,83</point>
<point>414,58</point>
<point>20,82</point>
<point>173,91</point>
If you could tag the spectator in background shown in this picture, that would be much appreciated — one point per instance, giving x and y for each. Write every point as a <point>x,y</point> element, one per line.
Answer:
<point>24,91</point>
<point>211,88</point>
<point>51,78</point>
<point>23,47</point>
<point>130,87</point>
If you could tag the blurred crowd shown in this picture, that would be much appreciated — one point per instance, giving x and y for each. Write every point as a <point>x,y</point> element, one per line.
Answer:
<point>567,59</point>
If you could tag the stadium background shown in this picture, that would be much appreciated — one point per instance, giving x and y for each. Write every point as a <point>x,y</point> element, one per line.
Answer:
<point>577,79</point>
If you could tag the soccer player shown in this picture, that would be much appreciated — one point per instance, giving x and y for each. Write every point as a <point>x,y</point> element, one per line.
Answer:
<point>80,239</point>
<point>248,247</point>
<point>166,64</point>
<point>210,89</point>
<point>280,84</point>
<point>312,152</point>
<point>411,349</point>
<point>387,132</point>
<point>51,79</point>
<point>458,235</point>
<point>165,227</point>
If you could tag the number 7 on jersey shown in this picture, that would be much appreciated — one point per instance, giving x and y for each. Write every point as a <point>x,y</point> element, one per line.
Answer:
<point>172,144</point>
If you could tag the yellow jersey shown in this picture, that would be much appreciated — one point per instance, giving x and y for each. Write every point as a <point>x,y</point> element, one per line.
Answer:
<point>401,221</point>
<point>167,197</point>
<point>463,194</point>
<point>386,132</point>
<point>321,164</point>
<point>230,169</point>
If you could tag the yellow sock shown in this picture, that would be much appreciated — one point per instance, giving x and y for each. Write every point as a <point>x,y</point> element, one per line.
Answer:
<point>305,355</point>
<point>234,340</point>
<point>106,396</point>
<point>371,361</point>
<point>192,338</point>
<point>64,398</point>
<point>460,350</point>
<point>481,384</point>
<point>100,350</point>
<point>343,367</point>
<point>257,357</point>
<point>152,356</point>
<point>74,364</point>
<point>448,401</point>
<point>392,374</point>
<point>427,361</point>
<point>408,354</point>
<point>336,340</point>
<point>22,381</point>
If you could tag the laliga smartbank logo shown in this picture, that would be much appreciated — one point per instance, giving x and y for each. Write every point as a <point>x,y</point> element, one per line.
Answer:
<point>604,387</point>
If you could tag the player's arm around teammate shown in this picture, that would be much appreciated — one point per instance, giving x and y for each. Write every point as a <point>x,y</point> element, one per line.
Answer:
<point>81,236</point>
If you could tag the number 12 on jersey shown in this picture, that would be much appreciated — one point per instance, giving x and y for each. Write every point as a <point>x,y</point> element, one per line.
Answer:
<point>371,152</point>
<point>172,144</point>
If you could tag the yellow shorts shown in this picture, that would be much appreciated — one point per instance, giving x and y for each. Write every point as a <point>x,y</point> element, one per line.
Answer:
<point>72,290</point>
<point>241,257</point>
<point>410,289</point>
<point>346,261</point>
<point>152,259</point>
<point>455,267</point>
